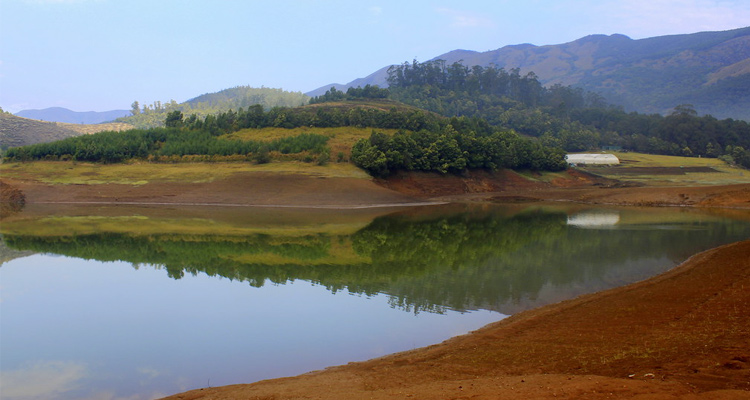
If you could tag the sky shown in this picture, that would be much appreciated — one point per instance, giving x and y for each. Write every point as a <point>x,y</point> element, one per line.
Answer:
<point>99,55</point>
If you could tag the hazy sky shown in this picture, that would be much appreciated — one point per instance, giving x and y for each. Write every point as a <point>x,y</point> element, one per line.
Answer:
<point>97,55</point>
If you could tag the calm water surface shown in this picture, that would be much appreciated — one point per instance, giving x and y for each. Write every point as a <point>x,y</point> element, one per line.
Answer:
<point>115,303</point>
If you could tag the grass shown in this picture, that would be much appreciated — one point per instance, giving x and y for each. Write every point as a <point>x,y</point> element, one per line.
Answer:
<point>725,175</point>
<point>88,129</point>
<point>67,173</point>
<point>543,176</point>
<point>653,160</point>
<point>341,139</point>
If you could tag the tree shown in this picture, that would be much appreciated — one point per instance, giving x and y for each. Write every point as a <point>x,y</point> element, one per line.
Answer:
<point>369,158</point>
<point>135,108</point>
<point>174,119</point>
<point>685,110</point>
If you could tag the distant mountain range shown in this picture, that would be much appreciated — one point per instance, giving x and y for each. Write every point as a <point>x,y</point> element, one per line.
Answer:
<point>710,70</point>
<point>59,114</point>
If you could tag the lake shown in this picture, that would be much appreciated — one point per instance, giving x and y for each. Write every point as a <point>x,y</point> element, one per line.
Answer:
<point>108,302</point>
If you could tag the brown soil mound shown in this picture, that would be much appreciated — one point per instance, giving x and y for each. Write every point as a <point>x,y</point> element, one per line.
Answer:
<point>684,334</point>
<point>12,199</point>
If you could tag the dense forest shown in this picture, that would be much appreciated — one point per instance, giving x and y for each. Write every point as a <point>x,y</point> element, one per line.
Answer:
<point>563,116</point>
<point>452,150</point>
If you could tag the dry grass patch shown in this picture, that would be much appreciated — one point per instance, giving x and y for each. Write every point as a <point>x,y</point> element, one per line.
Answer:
<point>341,139</point>
<point>653,160</point>
<point>659,170</point>
<point>66,173</point>
<point>88,129</point>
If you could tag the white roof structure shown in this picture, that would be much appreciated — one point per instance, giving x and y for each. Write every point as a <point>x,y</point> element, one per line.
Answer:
<point>591,159</point>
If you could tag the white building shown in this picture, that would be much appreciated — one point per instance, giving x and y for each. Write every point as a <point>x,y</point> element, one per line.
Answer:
<point>592,159</point>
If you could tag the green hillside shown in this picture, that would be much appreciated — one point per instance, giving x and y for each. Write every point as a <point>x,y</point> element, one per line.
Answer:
<point>153,115</point>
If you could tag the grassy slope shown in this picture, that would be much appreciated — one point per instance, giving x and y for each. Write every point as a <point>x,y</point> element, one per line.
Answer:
<point>88,129</point>
<point>138,173</point>
<point>340,140</point>
<point>726,175</point>
<point>66,173</point>
<point>18,131</point>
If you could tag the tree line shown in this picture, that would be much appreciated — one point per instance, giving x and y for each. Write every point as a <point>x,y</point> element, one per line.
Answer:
<point>452,151</point>
<point>352,93</point>
<point>256,117</point>
<point>165,144</point>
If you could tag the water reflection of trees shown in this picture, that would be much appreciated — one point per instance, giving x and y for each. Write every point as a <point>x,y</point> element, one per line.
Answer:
<point>458,261</point>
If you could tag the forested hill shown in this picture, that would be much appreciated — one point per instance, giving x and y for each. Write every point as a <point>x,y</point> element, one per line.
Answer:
<point>710,70</point>
<point>153,115</point>
<point>245,96</point>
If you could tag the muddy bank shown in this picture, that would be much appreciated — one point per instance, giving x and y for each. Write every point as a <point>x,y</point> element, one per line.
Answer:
<point>684,334</point>
<point>506,186</point>
<point>249,188</point>
<point>299,190</point>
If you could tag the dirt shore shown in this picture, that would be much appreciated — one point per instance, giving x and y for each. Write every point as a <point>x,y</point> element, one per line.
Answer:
<point>681,335</point>
<point>299,190</point>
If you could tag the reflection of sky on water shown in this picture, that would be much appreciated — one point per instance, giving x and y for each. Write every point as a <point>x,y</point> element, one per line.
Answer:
<point>41,380</point>
<point>72,328</point>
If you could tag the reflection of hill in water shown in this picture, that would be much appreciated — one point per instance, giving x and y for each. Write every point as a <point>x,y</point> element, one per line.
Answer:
<point>425,262</point>
<point>9,254</point>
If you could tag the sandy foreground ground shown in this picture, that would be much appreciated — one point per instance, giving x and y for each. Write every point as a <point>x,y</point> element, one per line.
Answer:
<point>682,335</point>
